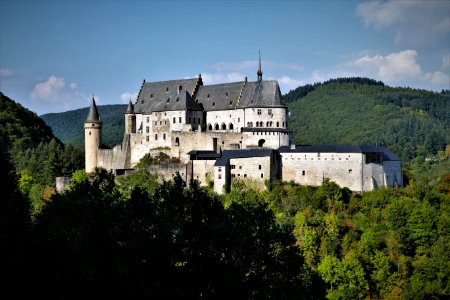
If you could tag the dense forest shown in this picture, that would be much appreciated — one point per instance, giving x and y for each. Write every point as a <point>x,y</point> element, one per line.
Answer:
<point>37,155</point>
<point>137,236</point>
<point>133,236</point>
<point>68,126</point>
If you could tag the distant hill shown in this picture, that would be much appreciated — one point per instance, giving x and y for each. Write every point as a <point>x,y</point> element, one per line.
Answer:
<point>68,126</point>
<point>410,122</point>
<point>20,125</point>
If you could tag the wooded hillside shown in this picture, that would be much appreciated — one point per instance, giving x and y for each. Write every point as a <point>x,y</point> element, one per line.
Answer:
<point>68,126</point>
<point>410,122</point>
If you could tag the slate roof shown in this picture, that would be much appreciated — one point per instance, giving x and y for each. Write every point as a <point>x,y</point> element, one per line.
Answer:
<point>243,153</point>
<point>203,154</point>
<point>336,148</point>
<point>163,95</point>
<point>93,116</point>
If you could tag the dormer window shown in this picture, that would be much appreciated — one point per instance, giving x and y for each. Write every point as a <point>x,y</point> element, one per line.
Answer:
<point>180,88</point>
<point>168,100</point>
<point>226,94</point>
<point>208,96</point>
<point>151,95</point>
<point>167,89</point>
<point>178,99</point>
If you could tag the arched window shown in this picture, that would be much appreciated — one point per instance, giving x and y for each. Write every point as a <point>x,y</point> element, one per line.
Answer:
<point>216,126</point>
<point>209,127</point>
<point>278,124</point>
<point>250,124</point>
<point>283,124</point>
<point>230,126</point>
<point>267,124</point>
<point>224,126</point>
<point>261,143</point>
<point>177,141</point>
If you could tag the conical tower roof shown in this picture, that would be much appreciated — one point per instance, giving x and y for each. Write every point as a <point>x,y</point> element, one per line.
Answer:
<point>93,116</point>
<point>130,108</point>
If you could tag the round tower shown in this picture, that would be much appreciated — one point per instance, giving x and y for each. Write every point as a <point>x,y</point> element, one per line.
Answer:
<point>92,137</point>
<point>130,119</point>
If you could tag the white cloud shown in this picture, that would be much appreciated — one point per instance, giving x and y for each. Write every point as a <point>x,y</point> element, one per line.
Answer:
<point>287,83</point>
<point>54,94</point>
<point>414,23</point>
<point>397,69</point>
<point>215,78</point>
<point>51,90</point>
<point>127,96</point>
<point>5,72</point>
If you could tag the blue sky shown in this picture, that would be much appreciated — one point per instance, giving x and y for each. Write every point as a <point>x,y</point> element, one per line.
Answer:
<point>55,54</point>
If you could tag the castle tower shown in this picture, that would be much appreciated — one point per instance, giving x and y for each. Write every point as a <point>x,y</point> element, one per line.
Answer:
<point>130,119</point>
<point>92,137</point>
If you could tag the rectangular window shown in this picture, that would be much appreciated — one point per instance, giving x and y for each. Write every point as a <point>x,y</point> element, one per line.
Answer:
<point>156,137</point>
<point>220,169</point>
<point>198,120</point>
<point>259,111</point>
<point>303,173</point>
<point>180,119</point>
<point>269,111</point>
<point>220,176</point>
<point>147,129</point>
<point>147,138</point>
<point>259,167</point>
<point>189,120</point>
<point>262,175</point>
<point>148,119</point>
<point>233,166</point>
<point>156,123</point>
<point>245,175</point>
<point>174,120</point>
<point>164,136</point>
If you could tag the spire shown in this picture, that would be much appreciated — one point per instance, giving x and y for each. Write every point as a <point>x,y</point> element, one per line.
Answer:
<point>130,108</point>
<point>259,73</point>
<point>93,116</point>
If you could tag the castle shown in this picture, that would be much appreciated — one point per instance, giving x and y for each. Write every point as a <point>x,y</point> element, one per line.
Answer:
<point>232,130</point>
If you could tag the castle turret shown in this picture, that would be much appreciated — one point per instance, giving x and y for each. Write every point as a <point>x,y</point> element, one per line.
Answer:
<point>92,137</point>
<point>130,119</point>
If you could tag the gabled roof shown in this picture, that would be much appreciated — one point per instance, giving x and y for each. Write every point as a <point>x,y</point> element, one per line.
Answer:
<point>336,148</point>
<point>219,96</point>
<point>193,95</point>
<point>265,93</point>
<point>243,153</point>
<point>163,95</point>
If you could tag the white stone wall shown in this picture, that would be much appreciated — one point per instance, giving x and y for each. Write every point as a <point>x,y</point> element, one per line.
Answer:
<point>251,167</point>
<point>345,169</point>
<point>269,117</point>
<point>225,117</point>
<point>201,168</point>
<point>272,140</point>
<point>220,178</point>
